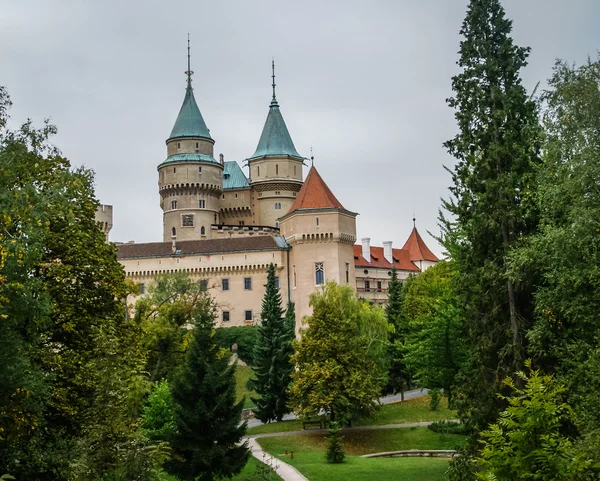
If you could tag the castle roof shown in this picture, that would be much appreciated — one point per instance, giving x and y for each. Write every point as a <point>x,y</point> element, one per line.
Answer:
<point>190,122</point>
<point>204,247</point>
<point>275,138</point>
<point>233,176</point>
<point>401,258</point>
<point>315,194</point>
<point>415,245</point>
<point>189,157</point>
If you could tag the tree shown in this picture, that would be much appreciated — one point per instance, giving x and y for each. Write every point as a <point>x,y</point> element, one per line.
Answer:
<point>339,370</point>
<point>526,442</point>
<point>63,319</point>
<point>491,207</point>
<point>564,255</point>
<point>272,366</point>
<point>398,374</point>
<point>335,448</point>
<point>166,314</point>
<point>208,440</point>
<point>435,348</point>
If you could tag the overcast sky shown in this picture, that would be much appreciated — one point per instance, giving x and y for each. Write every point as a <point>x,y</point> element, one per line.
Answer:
<point>362,82</point>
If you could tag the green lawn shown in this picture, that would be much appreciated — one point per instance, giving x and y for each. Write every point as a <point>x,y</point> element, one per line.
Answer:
<point>242,374</point>
<point>410,411</point>
<point>248,470</point>
<point>362,442</point>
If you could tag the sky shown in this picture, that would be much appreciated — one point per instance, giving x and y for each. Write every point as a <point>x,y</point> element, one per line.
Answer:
<point>362,83</point>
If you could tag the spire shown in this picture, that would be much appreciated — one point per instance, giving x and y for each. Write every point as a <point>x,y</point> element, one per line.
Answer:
<point>275,138</point>
<point>315,194</point>
<point>190,122</point>
<point>416,247</point>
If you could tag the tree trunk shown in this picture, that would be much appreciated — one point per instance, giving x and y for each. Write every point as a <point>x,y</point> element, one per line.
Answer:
<point>402,392</point>
<point>512,306</point>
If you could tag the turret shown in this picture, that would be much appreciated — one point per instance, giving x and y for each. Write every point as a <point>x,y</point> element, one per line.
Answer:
<point>275,168</point>
<point>190,180</point>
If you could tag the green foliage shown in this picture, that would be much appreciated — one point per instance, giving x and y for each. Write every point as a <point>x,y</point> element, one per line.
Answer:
<point>208,439</point>
<point>462,466</point>
<point>399,376</point>
<point>449,427</point>
<point>491,209</point>
<point>166,314</point>
<point>272,366</point>
<point>335,448</point>
<point>338,357</point>
<point>244,336</point>
<point>434,402</point>
<point>435,348</point>
<point>159,413</point>
<point>526,442</point>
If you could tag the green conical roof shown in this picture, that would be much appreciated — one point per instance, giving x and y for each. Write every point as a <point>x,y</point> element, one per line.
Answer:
<point>189,122</point>
<point>275,138</point>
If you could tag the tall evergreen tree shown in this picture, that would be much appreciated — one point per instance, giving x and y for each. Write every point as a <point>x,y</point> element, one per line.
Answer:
<point>398,374</point>
<point>207,444</point>
<point>491,209</point>
<point>272,366</point>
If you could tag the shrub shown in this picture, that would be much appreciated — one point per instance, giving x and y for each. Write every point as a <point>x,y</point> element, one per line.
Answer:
<point>159,413</point>
<point>244,336</point>
<point>335,449</point>
<point>434,403</point>
<point>449,427</point>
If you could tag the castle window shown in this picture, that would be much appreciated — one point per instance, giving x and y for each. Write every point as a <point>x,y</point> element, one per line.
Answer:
<point>241,222</point>
<point>247,316</point>
<point>142,288</point>
<point>173,204</point>
<point>196,144</point>
<point>236,196</point>
<point>187,220</point>
<point>204,284</point>
<point>200,169</point>
<point>201,204</point>
<point>247,283</point>
<point>277,282</point>
<point>178,145</point>
<point>277,205</point>
<point>317,221</point>
<point>202,230</point>
<point>225,284</point>
<point>174,170</point>
<point>173,232</point>
<point>276,169</point>
<point>294,269</point>
<point>367,286</point>
<point>225,316</point>
<point>319,274</point>
<point>294,170</point>
<point>347,273</point>
<point>277,192</point>
<point>215,217</point>
<point>258,172</point>
<point>378,286</point>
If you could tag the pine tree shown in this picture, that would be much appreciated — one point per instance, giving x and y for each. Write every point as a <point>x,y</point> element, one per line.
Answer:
<point>207,444</point>
<point>398,374</point>
<point>335,448</point>
<point>272,366</point>
<point>491,208</point>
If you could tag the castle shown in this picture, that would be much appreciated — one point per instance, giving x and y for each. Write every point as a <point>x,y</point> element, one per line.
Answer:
<point>225,228</point>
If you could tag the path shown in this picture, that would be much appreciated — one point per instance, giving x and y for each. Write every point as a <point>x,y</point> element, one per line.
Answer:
<point>252,423</point>
<point>284,470</point>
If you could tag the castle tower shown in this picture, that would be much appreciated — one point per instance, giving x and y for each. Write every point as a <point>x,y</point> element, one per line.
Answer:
<point>321,233</point>
<point>190,180</point>
<point>275,168</point>
<point>419,253</point>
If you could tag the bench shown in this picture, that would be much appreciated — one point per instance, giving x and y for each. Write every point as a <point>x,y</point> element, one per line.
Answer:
<point>309,424</point>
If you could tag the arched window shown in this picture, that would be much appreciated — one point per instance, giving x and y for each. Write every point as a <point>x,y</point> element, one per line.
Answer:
<point>202,231</point>
<point>173,232</point>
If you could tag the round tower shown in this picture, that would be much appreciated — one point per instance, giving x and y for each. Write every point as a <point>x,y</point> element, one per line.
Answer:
<point>275,168</point>
<point>190,180</point>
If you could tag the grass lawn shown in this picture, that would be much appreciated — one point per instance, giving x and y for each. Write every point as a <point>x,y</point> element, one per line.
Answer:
<point>248,470</point>
<point>410,411</point>
<point>357,443</point>
<point>242,374</point>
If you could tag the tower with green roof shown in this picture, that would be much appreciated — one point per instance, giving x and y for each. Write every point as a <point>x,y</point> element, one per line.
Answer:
<point>275,168</point>
<point>190,180</point>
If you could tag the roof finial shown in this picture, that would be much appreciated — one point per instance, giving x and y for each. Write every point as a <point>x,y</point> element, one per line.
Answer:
<point>414,221</point>
<point>189,71</point>
<point>312,157</point>
<point>274,101</point>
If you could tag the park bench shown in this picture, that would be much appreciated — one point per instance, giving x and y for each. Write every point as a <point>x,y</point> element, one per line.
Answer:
<point>308,424</point>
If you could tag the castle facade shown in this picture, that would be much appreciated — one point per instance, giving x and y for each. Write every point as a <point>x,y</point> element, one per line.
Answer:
<point>225,228</point>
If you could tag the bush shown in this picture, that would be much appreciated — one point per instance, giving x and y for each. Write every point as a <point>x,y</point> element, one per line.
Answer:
<point>244,336</point>
<point>462,467</point>
<point>434,403</point>
<point>335,449</point>
<point>159,413</point>
<point>449,427</point>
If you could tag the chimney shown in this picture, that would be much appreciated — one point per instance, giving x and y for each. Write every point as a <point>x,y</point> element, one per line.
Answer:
<point>387,251</point>
<point>366,248</point>
<point>221,159</point>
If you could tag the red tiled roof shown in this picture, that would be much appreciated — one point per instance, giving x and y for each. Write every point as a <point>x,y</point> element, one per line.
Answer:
<point>208,246</point>
<point>315,194</point>
<point>400,257</point>
<point>417,248</point>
